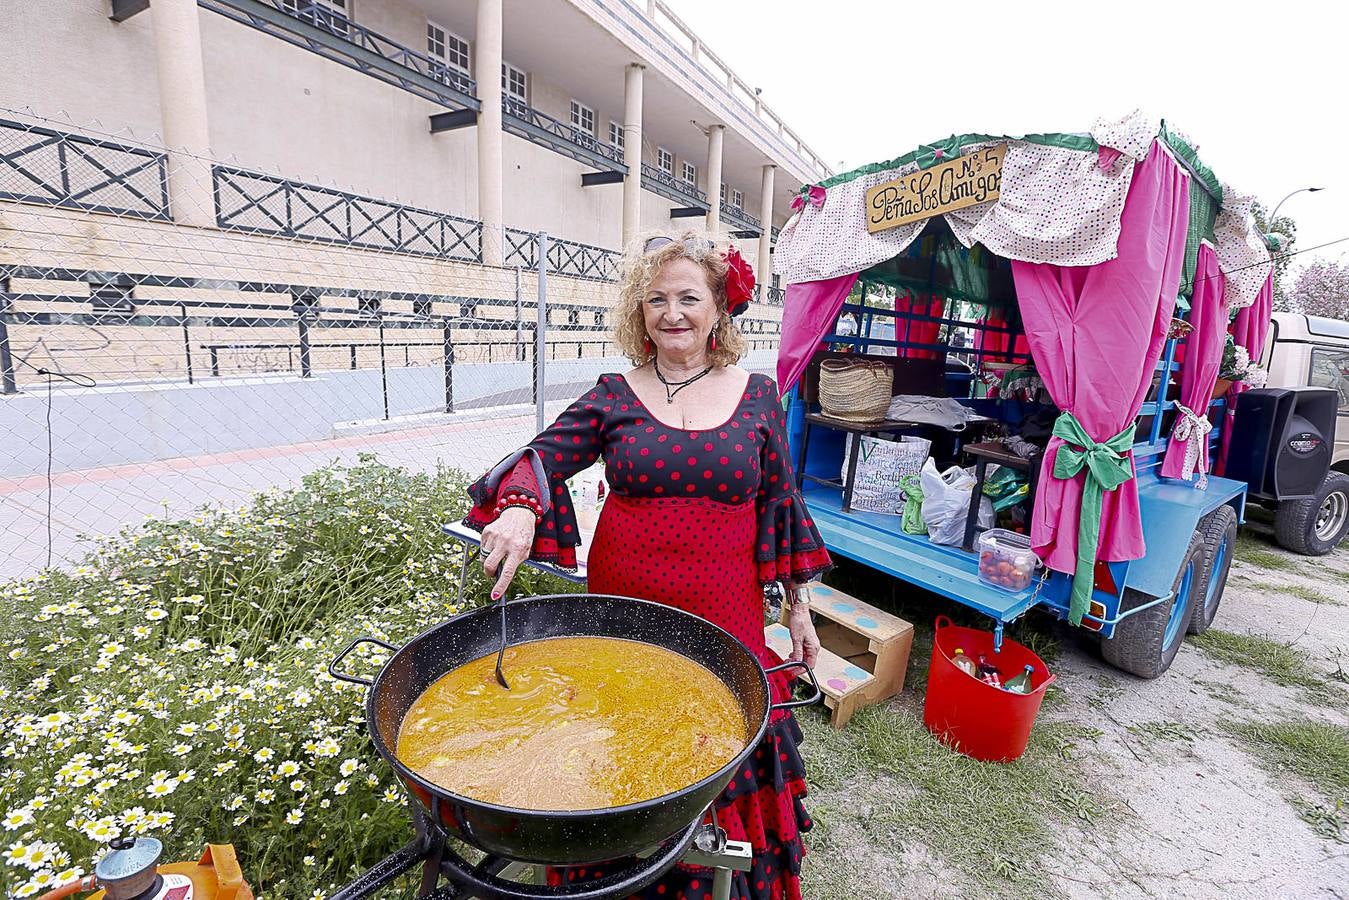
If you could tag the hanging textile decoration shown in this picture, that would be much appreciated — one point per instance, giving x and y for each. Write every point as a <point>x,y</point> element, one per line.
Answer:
<point>1108,466</point>
<point>814,193</point>
<point>1192,430</point>
<point>1187,451</point>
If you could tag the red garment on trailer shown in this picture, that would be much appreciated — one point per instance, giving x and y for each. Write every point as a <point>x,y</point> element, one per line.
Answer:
<point>698,520</point>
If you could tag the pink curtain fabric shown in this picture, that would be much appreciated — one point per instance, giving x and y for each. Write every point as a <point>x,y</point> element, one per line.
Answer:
<point>808,314</point>
<point>1096,334</point>
<point>1249,331</point>
<point>1187,450</point>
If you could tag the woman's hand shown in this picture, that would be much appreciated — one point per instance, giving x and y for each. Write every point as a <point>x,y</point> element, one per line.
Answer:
<point>505,544</point>
<point>805,643</point>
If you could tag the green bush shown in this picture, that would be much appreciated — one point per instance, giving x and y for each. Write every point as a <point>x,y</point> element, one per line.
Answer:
<point>176,683</point>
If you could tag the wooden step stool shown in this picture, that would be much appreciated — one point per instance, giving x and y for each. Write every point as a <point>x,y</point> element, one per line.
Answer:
<point>864,651</point>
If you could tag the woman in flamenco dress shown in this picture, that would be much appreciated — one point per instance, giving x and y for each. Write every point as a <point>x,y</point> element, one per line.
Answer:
<point>702,513</point>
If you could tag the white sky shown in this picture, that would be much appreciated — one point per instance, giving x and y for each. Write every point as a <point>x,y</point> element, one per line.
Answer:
<point>1261,87</point>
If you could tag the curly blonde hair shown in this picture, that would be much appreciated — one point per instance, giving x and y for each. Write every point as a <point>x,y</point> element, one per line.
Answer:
<point>639,268</point>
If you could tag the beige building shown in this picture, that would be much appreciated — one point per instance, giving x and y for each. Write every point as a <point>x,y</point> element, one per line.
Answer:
<point>477,121</point>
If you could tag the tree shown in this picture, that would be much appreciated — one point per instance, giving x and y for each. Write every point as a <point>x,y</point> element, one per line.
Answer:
<point>1285,228</point>
<point>1322,289</point>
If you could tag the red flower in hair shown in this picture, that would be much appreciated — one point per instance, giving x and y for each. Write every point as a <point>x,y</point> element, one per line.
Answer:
<point>739,282</point>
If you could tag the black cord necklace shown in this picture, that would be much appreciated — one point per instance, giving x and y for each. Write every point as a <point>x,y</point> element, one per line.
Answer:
<point>676,385</point>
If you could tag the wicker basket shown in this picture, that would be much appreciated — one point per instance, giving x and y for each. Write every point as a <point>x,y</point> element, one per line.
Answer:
<point>855,390</point>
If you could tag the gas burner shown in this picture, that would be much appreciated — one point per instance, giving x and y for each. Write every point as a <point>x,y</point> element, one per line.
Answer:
<point>448,876</point>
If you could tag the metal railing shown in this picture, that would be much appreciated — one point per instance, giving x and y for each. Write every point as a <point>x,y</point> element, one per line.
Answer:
<point>564,257</point>
<point>266,204</point>
<point>523,120</point>
<point>736,215</point>
<point>322,30</point>
<point>774,296</point>
<point>659,181</point>
<point>39,165</point>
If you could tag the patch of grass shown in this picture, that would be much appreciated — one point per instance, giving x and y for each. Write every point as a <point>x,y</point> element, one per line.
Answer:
<point>1330,822</point>
<point>1279,663</point>
<point>1257,552</point>
<point>1221,690</point>
<point>1301,591</point>
<point>1335,567</point>
<point>1317,752</point>
<point>1150,733</point>
<point>991,822</point>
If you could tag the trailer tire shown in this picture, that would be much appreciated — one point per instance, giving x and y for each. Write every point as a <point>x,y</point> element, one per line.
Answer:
<point>1314,526</point>
<point>1145,644</point>
<point>1219,532</point>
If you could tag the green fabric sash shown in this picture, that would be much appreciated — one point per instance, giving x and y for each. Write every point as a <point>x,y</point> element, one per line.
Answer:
<point>1107,465</point>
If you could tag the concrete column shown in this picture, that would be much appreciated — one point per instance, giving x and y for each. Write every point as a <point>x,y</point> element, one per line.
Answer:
<point>487,71</point>
<point>764,272</point>
<point>632,152</point>
<point>715,135</point>
<point>182,104</point>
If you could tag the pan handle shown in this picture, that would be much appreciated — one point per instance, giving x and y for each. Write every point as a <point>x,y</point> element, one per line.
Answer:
<point>814,698</point>
<point>353,679</point>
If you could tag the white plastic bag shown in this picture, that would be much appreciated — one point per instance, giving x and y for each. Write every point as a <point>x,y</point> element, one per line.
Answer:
<point>946,503</point>
<point>881,465</point>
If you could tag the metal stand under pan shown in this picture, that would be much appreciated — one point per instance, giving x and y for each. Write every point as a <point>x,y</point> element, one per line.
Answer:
<point>448,876</point>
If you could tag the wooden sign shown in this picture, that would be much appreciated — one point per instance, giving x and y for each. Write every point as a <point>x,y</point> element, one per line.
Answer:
<point>956,184</point>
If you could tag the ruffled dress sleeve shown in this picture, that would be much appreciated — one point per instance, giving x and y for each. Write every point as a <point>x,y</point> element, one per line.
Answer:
<point>535,477</point>
<point>789,548</point>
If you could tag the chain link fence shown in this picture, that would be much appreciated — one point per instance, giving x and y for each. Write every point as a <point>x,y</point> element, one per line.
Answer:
<point>156,355</point>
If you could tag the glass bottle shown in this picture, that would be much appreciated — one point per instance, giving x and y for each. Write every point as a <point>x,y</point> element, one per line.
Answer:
<point>1021,684</point>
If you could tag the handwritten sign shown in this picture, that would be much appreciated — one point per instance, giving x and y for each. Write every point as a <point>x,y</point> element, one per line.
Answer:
<point>961,182</point>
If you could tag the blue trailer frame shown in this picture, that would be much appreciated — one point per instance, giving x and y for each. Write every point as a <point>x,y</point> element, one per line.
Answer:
<point>1171,512</point>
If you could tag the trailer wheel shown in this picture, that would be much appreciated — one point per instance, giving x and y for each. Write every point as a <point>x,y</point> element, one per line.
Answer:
<point>1314,526</point>
<point>1146,643</point>
<point>1219,532</point>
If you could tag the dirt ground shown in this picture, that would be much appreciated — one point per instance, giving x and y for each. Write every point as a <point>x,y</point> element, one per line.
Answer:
<point>1164,796</point>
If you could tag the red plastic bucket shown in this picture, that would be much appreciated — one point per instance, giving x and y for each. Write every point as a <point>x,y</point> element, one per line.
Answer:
<point>972,717</point>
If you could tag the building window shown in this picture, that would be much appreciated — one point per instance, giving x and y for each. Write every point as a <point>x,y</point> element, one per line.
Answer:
<point>582,118</point>
<point>690,173</point>
<point>513,82</point>
<point>665,161</point>
<point>737,199</point>
<point>616,136</point>
<point>447,47</point>
<point>330,15</point>
<point>723,193</point>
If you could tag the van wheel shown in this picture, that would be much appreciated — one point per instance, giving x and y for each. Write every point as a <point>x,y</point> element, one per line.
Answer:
<point>1146,643</point>
<point>1219,531</point>
<point>1314,526</point>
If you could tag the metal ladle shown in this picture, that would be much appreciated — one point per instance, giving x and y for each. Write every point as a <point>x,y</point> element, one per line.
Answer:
<point>501,652</point>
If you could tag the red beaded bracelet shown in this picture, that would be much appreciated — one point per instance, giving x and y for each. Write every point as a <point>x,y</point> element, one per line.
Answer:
<point>523,501</point>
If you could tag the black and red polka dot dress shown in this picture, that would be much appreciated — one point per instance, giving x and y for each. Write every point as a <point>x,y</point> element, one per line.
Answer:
<point>699,520</point>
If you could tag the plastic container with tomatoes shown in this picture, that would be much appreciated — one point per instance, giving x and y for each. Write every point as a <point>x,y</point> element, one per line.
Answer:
<point>1006,559</point>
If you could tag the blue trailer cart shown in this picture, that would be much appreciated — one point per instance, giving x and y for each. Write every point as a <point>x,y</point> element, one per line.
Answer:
<point>1140,608</point>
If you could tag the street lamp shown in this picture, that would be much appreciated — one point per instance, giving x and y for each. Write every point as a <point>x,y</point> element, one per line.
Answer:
<point>1274,215</point>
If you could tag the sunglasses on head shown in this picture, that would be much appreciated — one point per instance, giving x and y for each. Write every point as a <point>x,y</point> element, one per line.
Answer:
<point>695,246</point>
